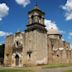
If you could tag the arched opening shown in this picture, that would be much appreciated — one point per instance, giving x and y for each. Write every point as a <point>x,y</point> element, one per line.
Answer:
<point>17,60</point>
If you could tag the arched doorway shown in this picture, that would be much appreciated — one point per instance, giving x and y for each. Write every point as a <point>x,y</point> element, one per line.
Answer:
<point>17,60</point>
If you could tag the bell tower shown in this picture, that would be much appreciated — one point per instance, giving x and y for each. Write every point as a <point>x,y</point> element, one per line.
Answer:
<point>36,20</point>
<point>36,37</point>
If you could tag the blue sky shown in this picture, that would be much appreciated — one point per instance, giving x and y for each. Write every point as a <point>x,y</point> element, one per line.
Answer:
<point>14,16</point>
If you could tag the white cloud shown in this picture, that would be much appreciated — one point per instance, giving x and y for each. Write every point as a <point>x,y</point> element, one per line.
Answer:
<point>23,3</point>
<point>62,32</point>
<point>68,8</point>
<point>2,33</point>
<point>70,33</point>
<point>71,46</point>
<point>49,24</point>
<point>0,44</point>
<point>3,10</point>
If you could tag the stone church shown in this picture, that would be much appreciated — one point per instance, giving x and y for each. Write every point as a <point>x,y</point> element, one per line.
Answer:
<point>36,45</point>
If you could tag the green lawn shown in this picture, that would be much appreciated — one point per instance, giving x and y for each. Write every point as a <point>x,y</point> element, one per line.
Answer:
<point>15,70</point>
<point>56,65</point>
<point>68,71</point>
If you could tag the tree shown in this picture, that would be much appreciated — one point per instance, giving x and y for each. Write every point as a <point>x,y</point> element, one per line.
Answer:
<point>2,50</point>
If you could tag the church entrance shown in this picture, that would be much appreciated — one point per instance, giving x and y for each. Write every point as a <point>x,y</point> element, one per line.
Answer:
<point>17,60</point>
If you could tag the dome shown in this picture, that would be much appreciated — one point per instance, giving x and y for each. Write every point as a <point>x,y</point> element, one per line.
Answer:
<point>53,31</point>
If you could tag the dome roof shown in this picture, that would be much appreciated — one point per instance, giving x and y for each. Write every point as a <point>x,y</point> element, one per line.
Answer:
<point>53,31</point>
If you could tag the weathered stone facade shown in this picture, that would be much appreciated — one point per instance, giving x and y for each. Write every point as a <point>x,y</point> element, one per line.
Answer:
<point>36,45</point>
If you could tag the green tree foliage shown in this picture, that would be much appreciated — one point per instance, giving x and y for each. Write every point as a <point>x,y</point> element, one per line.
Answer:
<point>2,50</point>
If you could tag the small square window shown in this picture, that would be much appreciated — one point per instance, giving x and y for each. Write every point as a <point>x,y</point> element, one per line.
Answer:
<point>29,53</point>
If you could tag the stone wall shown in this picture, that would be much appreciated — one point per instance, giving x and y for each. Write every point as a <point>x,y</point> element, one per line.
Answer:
<point>37,48</point>
<point>59,52</point>
<point>8,51</point>
<point>36,42</point>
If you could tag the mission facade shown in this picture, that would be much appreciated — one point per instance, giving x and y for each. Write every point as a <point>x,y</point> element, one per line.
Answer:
<point>36,45</point>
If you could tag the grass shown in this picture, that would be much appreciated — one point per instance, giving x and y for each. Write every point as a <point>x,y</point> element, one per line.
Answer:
<point>15,70</point>
<point>32,69</point>
<point>68,71</point>
<point>56,65</point>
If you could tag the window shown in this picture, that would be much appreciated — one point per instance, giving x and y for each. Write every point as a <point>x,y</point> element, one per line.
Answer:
<point>57,55</point>
<point>17,43</point>
<point>7,55</point>
<point>29,54</point>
